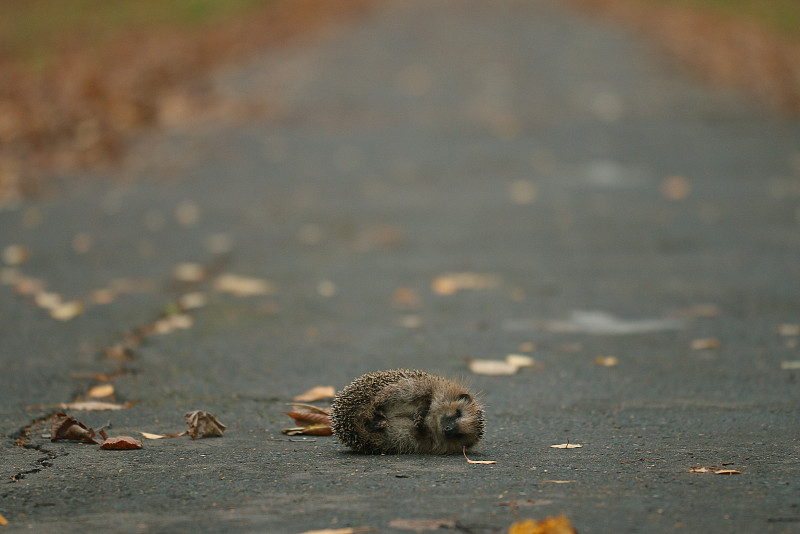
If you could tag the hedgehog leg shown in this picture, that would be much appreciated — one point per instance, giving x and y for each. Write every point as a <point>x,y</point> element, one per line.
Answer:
<point>378,422</point>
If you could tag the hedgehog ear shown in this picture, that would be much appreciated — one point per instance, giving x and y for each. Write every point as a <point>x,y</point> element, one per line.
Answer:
<point>466,397</point>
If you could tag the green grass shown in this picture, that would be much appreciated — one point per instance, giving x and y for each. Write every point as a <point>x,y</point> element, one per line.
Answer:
<point>780,15</point>
<point>31,29</point>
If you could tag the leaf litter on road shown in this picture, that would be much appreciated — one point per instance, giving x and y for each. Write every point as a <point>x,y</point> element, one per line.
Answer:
<point>315,394</point>
<point>548,525</point>
<point>485,462</point>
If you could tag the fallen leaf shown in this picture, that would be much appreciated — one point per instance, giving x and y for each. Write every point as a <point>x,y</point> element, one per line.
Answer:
<point>464,450</point>
<point>310,408</point>
<point>790,365</point>
<point>66,311</point>
<point>121,443</point>
<point>566,445</point>
<point>520,360</point>
<point>310,430</point>
<point>451,283</point>
<point>422,525</point>
<point>705,344</point>
<point>788,329</point>
<point>101,390</point>
<point>491,367</point>
<point>93,406</point>
<point>16,254</point>
<point>189,272</point>
<point>606,361</point>
<point>558,481</point>
<point>306,418</point>
<point>316,393</point>
<point>208,422</point>
<point>714,470</point>
<point>3,520</point>
<point>405,297</point>
<point>66,427</point>
<point>548,525</point>
<point>148,435</point>
<point>243,286</point>
<point>675,187</point>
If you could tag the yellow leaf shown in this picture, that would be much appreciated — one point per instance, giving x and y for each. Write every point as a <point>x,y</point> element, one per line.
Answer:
<point>3,520</point>
<point>464,450</point>
<point>491,367</point>
<point>102,390</point>
<point>606,361</point>
<point>548,525</point>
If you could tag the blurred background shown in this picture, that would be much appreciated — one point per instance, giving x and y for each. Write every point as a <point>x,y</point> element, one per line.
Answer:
<point>78,77</point>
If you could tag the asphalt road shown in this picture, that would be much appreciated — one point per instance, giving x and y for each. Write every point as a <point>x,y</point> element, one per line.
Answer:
<point>602,203</point>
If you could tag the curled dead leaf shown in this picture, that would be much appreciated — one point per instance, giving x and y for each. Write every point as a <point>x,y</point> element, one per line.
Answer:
<point>121,443</point>
<point>148,435</point>
<point>306,418</point>
<point>66,427</point>
<point>316,393</point>
<point>548,525</point>
<point>204,424</point>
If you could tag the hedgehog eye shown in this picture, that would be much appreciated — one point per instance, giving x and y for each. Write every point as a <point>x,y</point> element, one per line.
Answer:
<point>458,413</point>
<point>465,397</point>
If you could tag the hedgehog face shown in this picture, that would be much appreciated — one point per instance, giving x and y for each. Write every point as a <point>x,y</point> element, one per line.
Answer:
<point>456,420</point>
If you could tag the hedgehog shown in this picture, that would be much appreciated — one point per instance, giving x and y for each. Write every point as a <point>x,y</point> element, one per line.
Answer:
<point>403,411</point>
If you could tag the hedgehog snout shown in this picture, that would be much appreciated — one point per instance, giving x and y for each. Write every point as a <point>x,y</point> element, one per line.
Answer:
<point>450,426</point>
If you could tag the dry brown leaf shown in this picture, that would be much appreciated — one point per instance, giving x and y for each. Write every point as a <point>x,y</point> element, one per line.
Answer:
<point>101,390</point>
<point>310,408</point>
<point>491,367</point>
<point>66,427</point>
<point>208,422</point>
<point>606,361</point>
<point>566,445</point>
<point>705,344</point>
<point>243,286</point>
<point>93,406</point>
<point>306,418</point>
<point>310,430</point>
<point>548,525</point>
<point>316,393</point>
<point>422,525</point>
<point>120,443</point>
<point>464,450</point>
